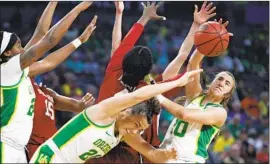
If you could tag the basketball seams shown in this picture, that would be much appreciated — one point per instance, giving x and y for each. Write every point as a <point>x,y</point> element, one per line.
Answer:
<point>210,39</point>
<point>218,35</point>
<point>214,47</point>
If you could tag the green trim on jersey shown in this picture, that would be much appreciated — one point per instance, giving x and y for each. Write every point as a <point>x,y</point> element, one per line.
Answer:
<point>45,155</point>
<point>1,152</point>
<point>207,134</point>
<point>91,122</point>
<point>73,128</point>
<point>68,132</point>
<point>9,105</point>
<point>15,85</point>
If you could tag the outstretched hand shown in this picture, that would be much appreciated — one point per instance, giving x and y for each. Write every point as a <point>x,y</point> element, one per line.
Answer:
<point>205,13</point>
<point>119,6</point>
<point>86,101</point>
<point>89,30</point>
<point>225,24</point>
<point>150,11</point>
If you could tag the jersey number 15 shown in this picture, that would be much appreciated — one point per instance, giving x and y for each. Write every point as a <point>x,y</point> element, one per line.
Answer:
<point>49,109</point>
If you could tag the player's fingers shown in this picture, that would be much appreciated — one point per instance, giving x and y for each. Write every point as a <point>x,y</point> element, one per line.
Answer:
<point>153,4</point>
<point>211,10</point>
<point>209,6</point>
<point>195,72</point>
<point>212,15</point>
<point>159,4</point>
<point>220,21</point>
<point>215,20</point>
<point>230,34</point>
<point>157,17</point>
<point>196,9</point>
<point>94,20</point>
<point>143,5</point>
<point>225,24</point>
<point>204,5</point>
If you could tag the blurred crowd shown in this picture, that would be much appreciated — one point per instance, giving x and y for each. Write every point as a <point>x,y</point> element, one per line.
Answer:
<point>244,139</point>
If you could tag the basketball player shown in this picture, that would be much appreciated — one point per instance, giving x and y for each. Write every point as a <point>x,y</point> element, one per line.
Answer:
<point>123,153</point>
<point>96,130</point>
<point>17,94</point>
<point>48,100</point>
<point>197,123</point>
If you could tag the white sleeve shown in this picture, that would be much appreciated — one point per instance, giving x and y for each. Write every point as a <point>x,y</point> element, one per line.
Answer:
<point>11,71</point>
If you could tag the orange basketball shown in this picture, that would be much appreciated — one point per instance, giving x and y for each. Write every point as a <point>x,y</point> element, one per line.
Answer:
<point>211,39</point>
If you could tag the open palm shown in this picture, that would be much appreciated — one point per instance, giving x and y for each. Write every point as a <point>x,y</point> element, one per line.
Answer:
<point>205,13</point>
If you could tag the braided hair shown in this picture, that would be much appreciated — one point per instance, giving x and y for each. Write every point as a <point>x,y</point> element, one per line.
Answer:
<point>136,65</point>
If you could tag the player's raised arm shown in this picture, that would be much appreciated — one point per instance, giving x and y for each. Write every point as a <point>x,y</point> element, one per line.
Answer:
<point>194,88</point>
<point>149,13</point>
<point>116,104</point>
<point>199,17</point>
<point>43,24</point>
<point>52,37</point>
<point>147,150</point>
<point>57,57</point>
<point>117,28</point>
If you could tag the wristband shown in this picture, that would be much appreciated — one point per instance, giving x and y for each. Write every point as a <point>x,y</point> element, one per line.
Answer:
<point>76,43</point>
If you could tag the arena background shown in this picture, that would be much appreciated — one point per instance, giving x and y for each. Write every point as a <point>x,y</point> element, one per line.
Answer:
<point>245,138</point>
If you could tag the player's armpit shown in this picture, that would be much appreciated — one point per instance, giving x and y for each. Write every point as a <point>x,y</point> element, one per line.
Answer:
<point>147,150</point>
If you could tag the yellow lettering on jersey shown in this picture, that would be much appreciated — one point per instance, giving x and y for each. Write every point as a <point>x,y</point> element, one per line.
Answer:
<point>43,158</point>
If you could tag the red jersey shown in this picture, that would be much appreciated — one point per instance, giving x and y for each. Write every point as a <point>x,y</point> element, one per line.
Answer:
<point>44,119</point>
<point>111,85</point>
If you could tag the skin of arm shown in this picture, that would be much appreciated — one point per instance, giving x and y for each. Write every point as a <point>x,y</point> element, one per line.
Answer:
<point>114,105</point>
<point>117,32</point>
<point>174,67</point>
<point>43,24</point>
<point>64,103</point>
<point>199,17</point>
<point>57,57</point>
<point>212,116</point>
<point>147,150</point>
<point>52,37</point>
<point>194,88</point>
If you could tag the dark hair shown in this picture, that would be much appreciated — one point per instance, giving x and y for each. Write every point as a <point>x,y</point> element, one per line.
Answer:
<point>136,65</point>
<point>12,42</point>
<point>147,108</point>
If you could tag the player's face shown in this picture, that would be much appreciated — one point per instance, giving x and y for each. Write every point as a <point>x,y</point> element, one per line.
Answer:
<point>17,48</point>
<point>222,84</point>
<point>132,124</point>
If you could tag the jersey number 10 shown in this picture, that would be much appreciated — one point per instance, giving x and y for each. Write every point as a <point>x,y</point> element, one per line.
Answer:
<point>181,128</point>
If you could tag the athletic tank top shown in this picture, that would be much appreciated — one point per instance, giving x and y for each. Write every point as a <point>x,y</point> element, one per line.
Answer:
<point>191,140</point>
<point>81,139</point>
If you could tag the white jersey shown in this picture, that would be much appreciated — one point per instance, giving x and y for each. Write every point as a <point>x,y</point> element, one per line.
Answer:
<point>17,102</point>
<point>77,141</point>
<point>191,140</point>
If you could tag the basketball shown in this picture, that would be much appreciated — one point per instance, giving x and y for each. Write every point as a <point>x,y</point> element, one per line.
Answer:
<point>211,39</point>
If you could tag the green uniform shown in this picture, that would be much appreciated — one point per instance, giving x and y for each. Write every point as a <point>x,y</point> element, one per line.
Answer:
<point>77,141</point>
<point>191,140</point>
